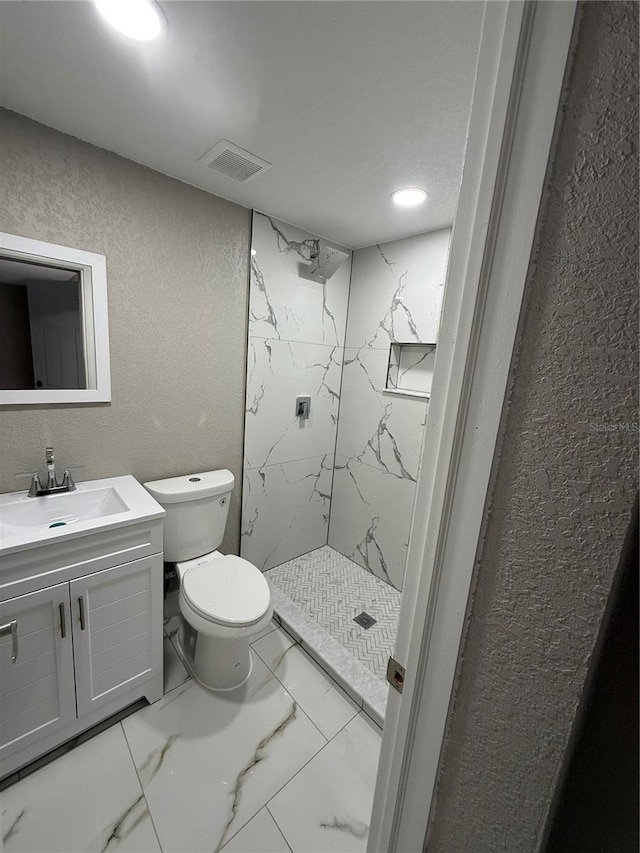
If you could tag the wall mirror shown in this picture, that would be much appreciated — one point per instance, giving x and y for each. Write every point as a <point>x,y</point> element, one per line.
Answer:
<point>54,330</point>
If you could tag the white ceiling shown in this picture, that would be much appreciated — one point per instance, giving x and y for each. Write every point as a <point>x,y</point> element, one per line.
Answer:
<point>347,100</point>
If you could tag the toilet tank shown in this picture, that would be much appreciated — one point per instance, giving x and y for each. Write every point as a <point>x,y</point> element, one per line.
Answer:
<point>197,506</point>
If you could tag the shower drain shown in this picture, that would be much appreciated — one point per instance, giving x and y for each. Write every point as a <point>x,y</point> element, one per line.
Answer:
<point>364,620</point>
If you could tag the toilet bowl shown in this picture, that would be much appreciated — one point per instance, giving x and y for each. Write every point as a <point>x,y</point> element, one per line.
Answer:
<point>225,601</point>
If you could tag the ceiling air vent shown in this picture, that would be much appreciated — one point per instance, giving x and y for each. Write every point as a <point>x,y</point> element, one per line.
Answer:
<point>234,162</point>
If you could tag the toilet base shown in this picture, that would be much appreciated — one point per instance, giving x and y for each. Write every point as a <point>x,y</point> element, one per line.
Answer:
<point>218,664</point>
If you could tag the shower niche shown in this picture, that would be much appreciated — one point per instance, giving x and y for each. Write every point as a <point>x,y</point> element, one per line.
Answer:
<point>410,369</point>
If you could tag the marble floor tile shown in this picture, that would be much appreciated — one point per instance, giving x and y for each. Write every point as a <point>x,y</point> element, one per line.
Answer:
<point>317,694</point>
<point>175,672</point>
<point>269,628</point>
<point>87,800</point>
<point>209,761</point>
<point>327,805</point>
<point>260,835</point>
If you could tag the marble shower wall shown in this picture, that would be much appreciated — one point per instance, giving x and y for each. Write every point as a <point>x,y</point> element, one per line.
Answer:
<point>396,295</point>
<point>296,340</point>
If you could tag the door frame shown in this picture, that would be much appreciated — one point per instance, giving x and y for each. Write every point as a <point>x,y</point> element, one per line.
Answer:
<point>520,77</point>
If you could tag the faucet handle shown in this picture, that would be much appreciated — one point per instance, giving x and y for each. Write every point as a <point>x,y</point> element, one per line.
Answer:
<point>34,487</point>
<point>67,481</point>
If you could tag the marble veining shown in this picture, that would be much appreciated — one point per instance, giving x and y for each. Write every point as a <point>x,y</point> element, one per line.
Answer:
<point>411,367</point>
<point>376,444</point>
<point>101,805</point>
<point>154,762</point>
<point>210,769</point>
<point>358,681</point>
<point>278,371</point>
<point>304,248</point>
<point>323,809</point>
<point>355,828</point>
<point>286,510</point>
<point>396,291</point>
<point>375,429</point>
<point>296,339</point>
<point>397,305</point>
<point>126,823</point>
<point>234,751</point>
<point>301,676</point>
<point>268,315</point>
<point>260,835</point>
<point>14,827</point>
<point>284,305</point>
<point>371,518</point>
<point>396,295</point>
<point>347,476</point>
<point>259,755</point>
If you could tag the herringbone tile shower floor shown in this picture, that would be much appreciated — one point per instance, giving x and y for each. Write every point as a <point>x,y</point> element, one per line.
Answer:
<point>332,589</point>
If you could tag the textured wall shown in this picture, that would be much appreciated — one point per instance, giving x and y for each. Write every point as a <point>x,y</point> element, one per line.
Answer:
<point>567,472</point>
<point>177,267</point>
<point>296,340</point>
<point>396,295</point>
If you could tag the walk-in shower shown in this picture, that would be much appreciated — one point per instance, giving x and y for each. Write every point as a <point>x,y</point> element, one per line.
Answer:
<point>328,498</point>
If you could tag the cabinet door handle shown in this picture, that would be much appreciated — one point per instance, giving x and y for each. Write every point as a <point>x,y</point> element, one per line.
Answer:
<point>63,621</point>
<point>81,608</point>
<point>11,628</point>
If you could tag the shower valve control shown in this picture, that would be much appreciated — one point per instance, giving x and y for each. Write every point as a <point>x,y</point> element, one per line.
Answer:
<point>303,406</point>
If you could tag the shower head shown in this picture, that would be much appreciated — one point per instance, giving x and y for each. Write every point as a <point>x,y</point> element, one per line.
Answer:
<point>324,262</point>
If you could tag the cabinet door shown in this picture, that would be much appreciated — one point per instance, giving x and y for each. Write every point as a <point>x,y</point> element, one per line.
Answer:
<point>37,694</point>
<point>117,630</point>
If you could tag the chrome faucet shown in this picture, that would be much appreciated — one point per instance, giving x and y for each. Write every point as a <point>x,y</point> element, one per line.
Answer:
<point>51,469</point>
<point>53,486</point>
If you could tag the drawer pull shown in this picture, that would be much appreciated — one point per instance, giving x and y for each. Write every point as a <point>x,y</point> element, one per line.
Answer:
<point>81,608</point>
<point>63,621</point>
<point>11,628</point>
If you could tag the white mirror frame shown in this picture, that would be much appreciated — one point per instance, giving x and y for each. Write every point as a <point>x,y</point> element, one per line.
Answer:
<point>93,269</point>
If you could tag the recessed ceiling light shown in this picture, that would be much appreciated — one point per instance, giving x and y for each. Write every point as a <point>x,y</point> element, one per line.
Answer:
<point>409,197</point>
<point>139,19</point>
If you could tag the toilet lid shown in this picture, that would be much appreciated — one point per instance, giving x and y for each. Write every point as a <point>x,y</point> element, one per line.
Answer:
<point>228,590</point>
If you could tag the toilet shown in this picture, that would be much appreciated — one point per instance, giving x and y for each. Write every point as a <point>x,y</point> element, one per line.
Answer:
<point>225,601</point>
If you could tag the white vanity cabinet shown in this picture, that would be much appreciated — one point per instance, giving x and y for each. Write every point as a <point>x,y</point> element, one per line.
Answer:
<point>116,642</point>
<point>37,695</point>
<point>80,637</point>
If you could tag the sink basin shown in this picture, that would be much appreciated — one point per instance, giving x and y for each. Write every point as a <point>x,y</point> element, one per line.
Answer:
<point>62,509</point>
<point>95,505</point>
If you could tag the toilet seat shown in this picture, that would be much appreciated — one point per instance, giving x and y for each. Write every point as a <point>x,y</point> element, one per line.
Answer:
<point>227,591</point>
